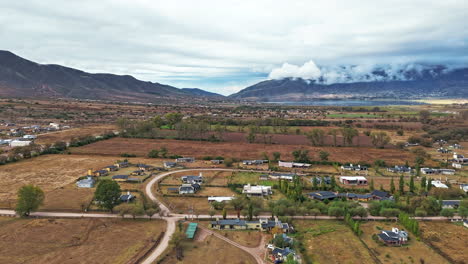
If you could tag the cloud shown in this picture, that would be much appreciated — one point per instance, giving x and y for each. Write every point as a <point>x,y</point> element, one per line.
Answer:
<point>308,71</point>
<point>206,39</point>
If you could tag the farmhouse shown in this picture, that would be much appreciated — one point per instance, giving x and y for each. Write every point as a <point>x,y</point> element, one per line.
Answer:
<point>20,143</point>
<point>185,159</point>
<point>400,169</point>
<point>322,195</point>
<point>169,164</point>
<point>220,199</point>
<point>318,180</point>
<point>380,195</point>
<point>192,179</point>
<point>120,178</point>
<point>257,190</point>
<point>86,183</point>
<point>217,161</point>
<point>112,168</point>
<point>437,171</point>
<point>261,224</point>
<point>137,172</point>
<point>189,188</point>
<point>357,197</point>
<point>451,204</point>
<point>394,237</point>
<point>123,164</point>
<point>125,198</point>
<point>263,177</point>
<point>282,176</point>
<point>353,180</point>
<point>144,167</point>
<point>464,187</point>
<point>352,167</point>
<point>30,137</point>
<point>293,164</point>
<point>439,184</point>
<point>100,173</point>
<point>254,162</point>
<point>279,255</point>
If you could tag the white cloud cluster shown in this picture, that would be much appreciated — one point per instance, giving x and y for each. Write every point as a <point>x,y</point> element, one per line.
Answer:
<point>354,73</point>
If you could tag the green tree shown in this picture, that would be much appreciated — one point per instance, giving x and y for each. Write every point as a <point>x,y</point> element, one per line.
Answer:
<point>316,137</point>
<point>108,194</point>
<point>30,197</point>
<point>349,134</point>
<point>323,155</point>
<point>401,185</point>
<point>446,212</point>
<point>335,211</point>
<point>379,139</point>
<point>392,186</point>
<point>173,118</point>
<point>424,116</point>
<point>154,153</point>
<point>276,156</point>
<point>224,213</point>
<point>333,132</point>
<point>163,152</point>
<point>411,184</point>
<point>301,155</point>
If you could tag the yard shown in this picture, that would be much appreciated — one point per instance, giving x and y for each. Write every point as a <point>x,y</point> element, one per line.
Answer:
<point>414,252</point>
<point>331,242</point>
<point>76,240</point>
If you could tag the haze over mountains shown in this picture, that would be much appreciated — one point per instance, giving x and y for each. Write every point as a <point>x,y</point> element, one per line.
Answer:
<point>23,78</point>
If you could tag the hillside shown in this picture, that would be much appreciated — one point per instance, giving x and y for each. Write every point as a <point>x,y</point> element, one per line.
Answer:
<point>23,78</point>
<point>200,92</point>
<point>441,85</point>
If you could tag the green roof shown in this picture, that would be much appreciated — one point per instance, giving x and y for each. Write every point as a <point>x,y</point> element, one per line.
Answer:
<point>191,229</point>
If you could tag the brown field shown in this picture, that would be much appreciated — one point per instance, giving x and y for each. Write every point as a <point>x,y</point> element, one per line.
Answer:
<point>449,238</point>
<point>335,244</point>
<point>141,147</point>
<point>248,238</point>
<point>75,240</point>
<point>210,250</point>
<point>56,175</point>
<point>68,134</point>
<point>413,252</point>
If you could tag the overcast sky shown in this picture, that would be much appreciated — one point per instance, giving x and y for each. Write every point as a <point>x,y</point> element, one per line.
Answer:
<point>224,46</point>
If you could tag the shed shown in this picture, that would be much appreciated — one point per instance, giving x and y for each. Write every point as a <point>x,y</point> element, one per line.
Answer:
<point>191,230</point>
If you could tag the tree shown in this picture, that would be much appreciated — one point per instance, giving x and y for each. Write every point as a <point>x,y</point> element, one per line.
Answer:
<point>348,134</point>
<point>389,212</point>
<point>173,118</point>
<point>30,197</point>
<point>333,132</point>
<point>107,194</point>
<point>301,155</point>
<point>358,211</point>
<point>420,212</point>
<point>379,139</point>
<point>392,186</point>
<point>371,185</point>
<point>251,137</point>
<point>316,137</point>
<point>424,116</point>
<point>163,152</point>
<point>335,211</point>
<point>323,155</point>
<point>224,213</point>
<point>238,204</point>
<point>411,184</point>
<point>401,185</point>
<point>211,213</point>
<point>447,212</point>
<point>423,183</point>
<point>150,212</point>
<point>314,212</point>
<point>276,156</point>
<point>154,153</point>
<point>123,209</point>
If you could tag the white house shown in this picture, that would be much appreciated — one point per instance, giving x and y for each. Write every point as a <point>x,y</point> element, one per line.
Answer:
<point>54,125</point>
<point>257,190</point>
<point>293,164</point>
<point>220,199</point>
<point>20,143</point>
<point>439,184</point>
<point>29,136</point>
<point>353,180</point>
<point>464,187</point>
<point>86,183</point>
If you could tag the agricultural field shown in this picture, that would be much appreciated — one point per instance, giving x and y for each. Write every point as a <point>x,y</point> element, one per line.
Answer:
<point>67,134</point>
<point>448,239</point>
<point>414,252</point>
<point>76,240</point>
<point>209,250</point>
<point>331,242</point>
<point>141,147</point>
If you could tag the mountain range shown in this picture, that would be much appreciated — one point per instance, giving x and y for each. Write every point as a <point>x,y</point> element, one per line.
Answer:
<point>26,79</point>
<point>23,78</point>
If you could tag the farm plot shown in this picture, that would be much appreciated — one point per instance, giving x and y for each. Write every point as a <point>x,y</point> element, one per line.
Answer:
<point>68,134</point>
<point>240,150</point>
<point>331,242</point>
<point>414,252</point>
<point>447,238</point>
<point>76,240</point>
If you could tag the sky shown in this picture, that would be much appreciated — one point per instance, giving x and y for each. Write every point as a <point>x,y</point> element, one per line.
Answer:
<point>225,46</point>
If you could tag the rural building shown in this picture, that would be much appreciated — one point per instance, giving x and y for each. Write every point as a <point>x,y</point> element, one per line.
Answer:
<point>293,164</point>
<point>126,198</point>
<point>120,178</point>
<point>393,238</point>
<point>86,183</point>
<point>465,223</point>
<point>112,168</point>
<point>282,176</point>
<point>192,179</point>
<point>169,164</point>
<point>399,169</point>
<point>217,161</point>
<point>352,167</point>
<point>439,184</point>
<point>380,195</point>
<point>30,137</point>
<point>261,224</point>
<point>144,167</point>
<point>263,177</point>
<point>318,180</point>
<point>220,199</point>
<point>191,230</point>
<point>100,173</point>
<point>189,188</point>
<point>279,255</point>
<point>450,204</point>
<point>20,143</point>
<point>185,159</point>
<point>123,164</point>
<point>322,195</point>
<point>54,126</point>
<point>464,187</point>
<point>355,196</point>
<point>137,172</point>
<point>254,162</point>
<point>429,171</point>
<point>257,190</point>
<point>353,180</point>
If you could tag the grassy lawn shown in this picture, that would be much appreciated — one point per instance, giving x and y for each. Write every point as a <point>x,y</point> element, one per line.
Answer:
<point>250,177</point>
<point>331,242</point>
<point>414,252</point>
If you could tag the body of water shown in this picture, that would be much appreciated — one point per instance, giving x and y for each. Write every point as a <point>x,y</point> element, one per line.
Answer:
<point>349,102</point>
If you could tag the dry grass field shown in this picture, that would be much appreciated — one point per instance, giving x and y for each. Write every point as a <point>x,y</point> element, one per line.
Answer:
<point>210,250</point>
<point>76,240</point>
<point>331,242</point>
<point>141,147</point>
<point>450,239</point>
<point>68,134</point>
<point>413,252</point>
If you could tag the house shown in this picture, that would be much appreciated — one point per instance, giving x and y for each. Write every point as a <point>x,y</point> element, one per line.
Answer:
<point>437,171</point>
<point>123,164</point>
<point>137,172</point>
<point>450,204</point>
<point>86,183</point>
<point>464,187</point>
<point>100,173</point>
<point>322,195</point>
<point>261,224</point>
<point>192,179</point>
<point>217,161</point>
<point>393,238</point>
<point>465,223</point>
<point>54,126</point>
<point>112,168</point>
<point>353,180</point>
<point>263,177</point>
<point>352,167</point>
<point>144,167</point>
<point>189,188</point>
<point>125,198</point>
<point>280,255</point>
<point>20,143</point>
<point>282,176</point>
<point>170,164</point>
<point>120,178</point>
<point>254,162</point>
<point>439,184</point>
<point>380,195</point>
<point>220,199</point>
<point>355,196</point>
<point>191,230</point>
<point>30,137</point>
<point>185,159</point>
<point>293,164</point>
<point>318,180</point>
<point>400,169</point>
<point>229,224</point>
<point>257,190</point>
